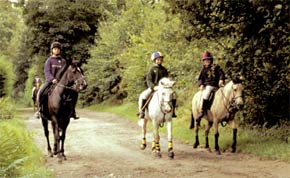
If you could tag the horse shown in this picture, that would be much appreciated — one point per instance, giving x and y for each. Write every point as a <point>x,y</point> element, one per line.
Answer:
<point>35,89</point>
<point>227,101</point>
<point>59,107</point>
<point>159,111</point>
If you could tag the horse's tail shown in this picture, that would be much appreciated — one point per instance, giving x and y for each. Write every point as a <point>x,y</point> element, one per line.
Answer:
<point>191,126</point>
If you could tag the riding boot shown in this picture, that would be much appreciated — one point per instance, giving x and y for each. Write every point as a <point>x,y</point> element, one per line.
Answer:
<point>204,108</point>
<point>173,107</point>
<point>142,110</point>
<point>74,115</point>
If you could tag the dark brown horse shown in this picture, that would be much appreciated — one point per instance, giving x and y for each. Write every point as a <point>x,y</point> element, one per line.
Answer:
<point>35,89</point>
<point>59,106</point>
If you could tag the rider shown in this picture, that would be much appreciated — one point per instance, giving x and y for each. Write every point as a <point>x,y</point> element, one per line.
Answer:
<point>53,64</point>
<point>210,77</point>
<point>157,72</point>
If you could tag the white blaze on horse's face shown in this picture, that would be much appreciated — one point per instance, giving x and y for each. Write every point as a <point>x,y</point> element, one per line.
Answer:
<point>165,98</point>
<point>238,89</point>
<point>80,82</point>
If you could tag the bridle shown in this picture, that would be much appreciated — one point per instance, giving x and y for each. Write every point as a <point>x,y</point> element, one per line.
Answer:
<point>232,102</point>
<point>72,87</point>
<point>161,105</point>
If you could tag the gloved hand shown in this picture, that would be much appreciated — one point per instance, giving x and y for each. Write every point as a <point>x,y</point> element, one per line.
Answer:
<point>54,81</point>
<point>155,88</point>
<point>201,87</point>
<point>221,83</point>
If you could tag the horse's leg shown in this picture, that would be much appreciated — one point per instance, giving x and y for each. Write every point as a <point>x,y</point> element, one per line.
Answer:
<point>46,133</point>
<point>232,124</point>
<point>144,130</point>
<point>216,136</point>
<point>62,139</point>
<point>209,125</point>
<point>169,135</point>
<point>196,129</point>
<point>56,148</point>
<point>155,144</point>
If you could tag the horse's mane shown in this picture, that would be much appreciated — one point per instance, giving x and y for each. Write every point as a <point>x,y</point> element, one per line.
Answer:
<point>60,73</point>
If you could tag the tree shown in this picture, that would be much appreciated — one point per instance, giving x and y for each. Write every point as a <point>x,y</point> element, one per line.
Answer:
<point>258,32</point>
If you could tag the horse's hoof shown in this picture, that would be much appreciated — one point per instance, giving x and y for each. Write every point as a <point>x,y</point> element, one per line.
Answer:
<point>195,145</point>
<point>218,152</point>
<point>171,154</point>
<point>143,146</point>
<point>158,154</point>
<point>233,150</point>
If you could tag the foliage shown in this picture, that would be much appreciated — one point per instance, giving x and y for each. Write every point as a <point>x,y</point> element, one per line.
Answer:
<point>6,77</point>
<point>125,44</point>
<point>19,155</point>
<point>6,109</point>
<point>259,50</point>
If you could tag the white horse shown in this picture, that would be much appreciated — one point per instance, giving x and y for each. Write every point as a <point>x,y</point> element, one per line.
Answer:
<point>159,111</point>
<point>227,101</point>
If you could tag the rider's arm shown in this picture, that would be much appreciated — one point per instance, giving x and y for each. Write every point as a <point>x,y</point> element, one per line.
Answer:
<point>47,71</point>
<point>149,79</point>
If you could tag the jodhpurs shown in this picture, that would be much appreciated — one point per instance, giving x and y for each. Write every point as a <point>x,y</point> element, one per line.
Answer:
<point>207,91</point>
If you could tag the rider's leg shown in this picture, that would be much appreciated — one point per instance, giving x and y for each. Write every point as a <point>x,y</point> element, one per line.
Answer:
<point>74,102</point>
<point>144,96</point>
<point>40,98</point>
<point>205,102</point>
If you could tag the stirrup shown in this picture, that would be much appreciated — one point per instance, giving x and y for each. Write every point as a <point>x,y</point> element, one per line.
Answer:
<point>174,115</point>
<point>37,115</point>
<point>141,114</point>
<point>75,116</point>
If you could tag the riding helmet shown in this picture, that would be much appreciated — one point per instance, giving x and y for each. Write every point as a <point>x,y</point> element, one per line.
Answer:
<point>207,55</point>
<point>55,45</point>
<point>156,55</point>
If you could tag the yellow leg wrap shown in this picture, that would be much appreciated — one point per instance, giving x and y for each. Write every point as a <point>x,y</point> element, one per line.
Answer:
<point>170,145</point>
<point>143,141</point>
<point>157,147</point>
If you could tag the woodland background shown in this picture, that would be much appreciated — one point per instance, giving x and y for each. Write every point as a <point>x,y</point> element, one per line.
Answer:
<point>113,41</point>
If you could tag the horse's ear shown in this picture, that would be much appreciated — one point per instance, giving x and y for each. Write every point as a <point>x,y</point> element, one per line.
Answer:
<point>238,79</point>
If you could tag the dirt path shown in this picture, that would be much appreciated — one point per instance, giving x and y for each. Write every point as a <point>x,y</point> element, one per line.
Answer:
<point>105,145</point>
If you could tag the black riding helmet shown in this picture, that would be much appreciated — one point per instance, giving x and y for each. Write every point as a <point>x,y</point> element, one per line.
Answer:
<point>55,45</point>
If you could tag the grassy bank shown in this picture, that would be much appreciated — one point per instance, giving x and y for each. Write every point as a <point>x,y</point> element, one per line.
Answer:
<point>19,156</point>
<point>271,143</point>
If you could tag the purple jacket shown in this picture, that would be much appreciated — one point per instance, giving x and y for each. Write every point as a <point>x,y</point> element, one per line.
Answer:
<point>52,66</point>
<point>211,75</point>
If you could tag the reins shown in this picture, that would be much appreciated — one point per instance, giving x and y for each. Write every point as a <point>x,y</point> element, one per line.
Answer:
<point>231,102</point>
<point>71,87</point>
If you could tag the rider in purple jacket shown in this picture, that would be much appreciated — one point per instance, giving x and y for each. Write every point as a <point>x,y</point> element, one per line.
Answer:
<point>52,66</point>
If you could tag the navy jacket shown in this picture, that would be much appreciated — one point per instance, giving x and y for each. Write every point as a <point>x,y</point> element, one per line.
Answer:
<point>211,75</point>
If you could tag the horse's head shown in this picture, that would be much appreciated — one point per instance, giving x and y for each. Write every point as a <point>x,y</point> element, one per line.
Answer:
<point>75,78</point>
<point>237,89</point>
<point>37,83</point>
<point>165,94</point>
